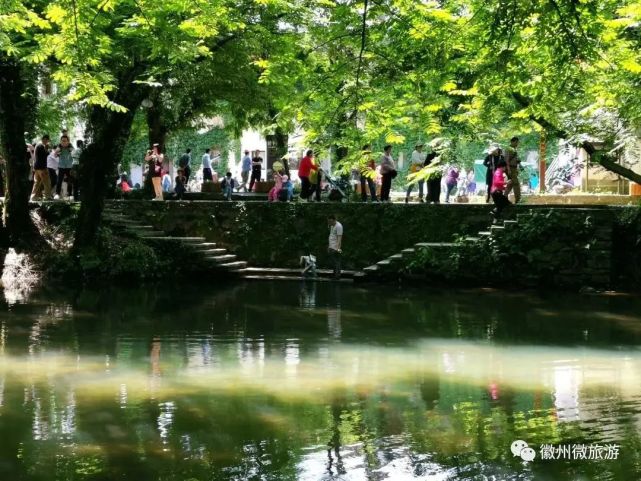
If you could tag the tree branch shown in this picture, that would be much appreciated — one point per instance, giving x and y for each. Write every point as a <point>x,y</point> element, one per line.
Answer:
<point>608,164</point>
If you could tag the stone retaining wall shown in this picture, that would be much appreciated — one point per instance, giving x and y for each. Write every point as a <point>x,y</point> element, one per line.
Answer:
<point>276,234</point>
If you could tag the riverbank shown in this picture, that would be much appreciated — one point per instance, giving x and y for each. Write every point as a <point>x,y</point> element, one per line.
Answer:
<point>275,235</point>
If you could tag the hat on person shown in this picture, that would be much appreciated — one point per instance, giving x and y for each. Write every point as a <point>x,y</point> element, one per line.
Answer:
<point>419,144</point>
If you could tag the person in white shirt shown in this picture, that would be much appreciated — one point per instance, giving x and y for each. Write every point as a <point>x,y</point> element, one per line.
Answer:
<point>388,172</point>
<point>417,163</point>
<point>52,167</point>
<point>335,244</point>
<point>207,174</point>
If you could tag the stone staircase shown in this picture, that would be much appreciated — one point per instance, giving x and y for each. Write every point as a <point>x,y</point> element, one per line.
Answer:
<point>213,257</point>
<point>597,271</point>
<point>390,266</point>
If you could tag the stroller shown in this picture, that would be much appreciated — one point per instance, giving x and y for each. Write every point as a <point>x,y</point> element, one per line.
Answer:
<point>339,188</point>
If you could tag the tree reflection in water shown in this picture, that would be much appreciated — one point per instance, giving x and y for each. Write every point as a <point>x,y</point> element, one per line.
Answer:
<point>255,383</point>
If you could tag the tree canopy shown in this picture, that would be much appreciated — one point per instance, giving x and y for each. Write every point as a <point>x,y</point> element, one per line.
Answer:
<point>348,72</point>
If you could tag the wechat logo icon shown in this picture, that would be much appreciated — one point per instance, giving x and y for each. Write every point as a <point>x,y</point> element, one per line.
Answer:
<point>520,448</point>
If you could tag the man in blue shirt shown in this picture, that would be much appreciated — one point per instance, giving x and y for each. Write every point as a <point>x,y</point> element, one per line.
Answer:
<point>245,170</point>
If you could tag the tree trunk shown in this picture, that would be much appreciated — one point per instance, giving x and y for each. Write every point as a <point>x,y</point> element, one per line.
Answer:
<point>157,129</point>
<point>16,106</point>
<point>109,131</point>
<point>158,132</point>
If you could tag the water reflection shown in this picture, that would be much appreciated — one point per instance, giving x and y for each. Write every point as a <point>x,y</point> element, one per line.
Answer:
<point>358,386</point>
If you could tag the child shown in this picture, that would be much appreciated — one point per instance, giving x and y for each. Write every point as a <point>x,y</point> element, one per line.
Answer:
<point>180,182</point>
<point>166,182</point>
<point>309,265</point>
<point>124,185</point>
<point>286,194</point>
<point>498,189</point>
<point>278,186</point>
<point>227,186</point>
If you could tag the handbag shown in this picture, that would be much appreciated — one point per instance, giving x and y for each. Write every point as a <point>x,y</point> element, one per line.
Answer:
<point>393,173</point>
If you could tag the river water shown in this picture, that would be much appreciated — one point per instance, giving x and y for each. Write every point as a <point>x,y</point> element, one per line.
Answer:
<point>293,381</point>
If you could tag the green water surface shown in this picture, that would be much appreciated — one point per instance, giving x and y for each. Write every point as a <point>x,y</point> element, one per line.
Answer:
<point>293,381</point>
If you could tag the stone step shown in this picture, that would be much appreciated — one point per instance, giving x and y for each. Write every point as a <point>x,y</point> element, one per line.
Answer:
<point>510,223</point>
<point>225,259</point>
<point>146,233</point>
<point>408,252</point>
<point>371,269</point>
<point>184,240</point>
<point>140,227</point>
<point>396,258</point>
<point>436,245</point>
<point>485,234</point>
<point>296,279</point>
<point>190,240</point>
<point>120,219</point>
<point>359,276</point>
<point>213,252</point>
<point>384,263</point>
<point>472,240</point>
<point>284,271</point>
<point>204,246</point>
<point>235,266</point>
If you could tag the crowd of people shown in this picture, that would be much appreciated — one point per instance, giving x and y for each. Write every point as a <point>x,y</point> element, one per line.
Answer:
<point>375,176</point>
<point>54,168</point>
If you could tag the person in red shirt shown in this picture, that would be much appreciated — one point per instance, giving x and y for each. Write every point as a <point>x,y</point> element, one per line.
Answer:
<point>304,170</point>
<point>498,190</point>
<point>124,185</point>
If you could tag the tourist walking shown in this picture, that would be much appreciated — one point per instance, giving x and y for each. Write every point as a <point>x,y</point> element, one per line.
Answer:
<point>388,172</point>
<point>65,163</point>
<point>335,244</point>
<point>155,161</point>
<point>305,168</point>
<point>257,170</point>
<point>41,180</point>
<point>416,164</point>
<point>207,173</point>
<point>184,164</point>
<point>498,189</point>
<point>245,169</point>
<point>513,165</point>
<point>451,181</point>
<point>368,174</point>
<point>491,162</point>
